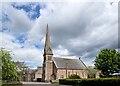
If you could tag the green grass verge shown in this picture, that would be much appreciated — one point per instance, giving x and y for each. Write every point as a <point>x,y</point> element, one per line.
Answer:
<point>55,82</point>
<point>11,84</point>
<point>0,83</point>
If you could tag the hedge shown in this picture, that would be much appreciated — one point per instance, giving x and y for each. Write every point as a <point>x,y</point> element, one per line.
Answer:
<point>91,82</point>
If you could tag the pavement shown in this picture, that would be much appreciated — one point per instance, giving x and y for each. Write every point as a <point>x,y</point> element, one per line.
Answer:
<point>40,84</point>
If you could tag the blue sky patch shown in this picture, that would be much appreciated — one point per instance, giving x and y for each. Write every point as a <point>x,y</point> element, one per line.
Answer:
<point>31,9</point>
<point>37,45</point>
<point>4,30</point>
<point>22,38</point>
<point>5,17</point>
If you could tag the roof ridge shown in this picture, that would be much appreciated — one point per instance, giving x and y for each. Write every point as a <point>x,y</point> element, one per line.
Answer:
<point>66,58</point>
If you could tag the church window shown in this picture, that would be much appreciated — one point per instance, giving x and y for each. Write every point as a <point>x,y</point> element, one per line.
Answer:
<point>82,74</point>
<point>68,73</point>
<point>62,76</point>
<point>76,73</point>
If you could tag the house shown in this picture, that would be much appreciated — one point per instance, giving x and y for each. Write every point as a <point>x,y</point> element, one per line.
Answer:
<point>37,74</point>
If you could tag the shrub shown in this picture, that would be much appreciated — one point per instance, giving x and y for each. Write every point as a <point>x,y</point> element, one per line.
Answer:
<point>91,82</point>
<point>74,76</point>
<point>69,81</point>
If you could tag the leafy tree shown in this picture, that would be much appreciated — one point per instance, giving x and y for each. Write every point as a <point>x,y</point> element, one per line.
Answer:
<point>8,67</point>
<point>22,70</point>
<point>74,76</point>
<point>108,61</point>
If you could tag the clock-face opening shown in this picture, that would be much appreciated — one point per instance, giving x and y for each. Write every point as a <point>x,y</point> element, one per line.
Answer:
<point>49,57</point>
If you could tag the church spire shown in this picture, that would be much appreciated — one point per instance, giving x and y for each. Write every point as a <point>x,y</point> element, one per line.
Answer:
<point>47,48</point>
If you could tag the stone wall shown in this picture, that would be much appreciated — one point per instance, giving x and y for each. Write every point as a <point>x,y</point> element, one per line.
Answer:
<point>65,73</point>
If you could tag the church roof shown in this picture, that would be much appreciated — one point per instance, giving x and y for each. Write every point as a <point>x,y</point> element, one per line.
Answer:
<point>64,63</point>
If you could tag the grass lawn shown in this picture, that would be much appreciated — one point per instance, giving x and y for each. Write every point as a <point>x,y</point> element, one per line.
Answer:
<point>0,83</point>
<point>55,82</point>
<point>11,84</point>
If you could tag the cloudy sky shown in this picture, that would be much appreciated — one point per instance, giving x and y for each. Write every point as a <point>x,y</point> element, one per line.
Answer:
<point>77,29</point>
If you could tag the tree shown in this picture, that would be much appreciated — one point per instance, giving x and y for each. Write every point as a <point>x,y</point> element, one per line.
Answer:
<point>108,61</point>
<point>9,69</point>
<point>23,70</point>
<point>74,76</point>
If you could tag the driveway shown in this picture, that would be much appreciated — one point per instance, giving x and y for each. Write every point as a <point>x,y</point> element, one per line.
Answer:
<point>39,84</point>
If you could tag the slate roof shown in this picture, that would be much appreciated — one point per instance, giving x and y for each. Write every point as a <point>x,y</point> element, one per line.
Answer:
<point>69,63</point>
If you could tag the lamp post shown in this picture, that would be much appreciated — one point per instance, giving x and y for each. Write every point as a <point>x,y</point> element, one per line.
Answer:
<point>66,70</point>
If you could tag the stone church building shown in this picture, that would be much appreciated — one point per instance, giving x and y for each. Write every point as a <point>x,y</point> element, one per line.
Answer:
<point>56,67</point>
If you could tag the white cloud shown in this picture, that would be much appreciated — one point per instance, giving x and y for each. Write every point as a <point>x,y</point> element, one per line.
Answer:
<point>81,29</point>
<point>60,51</point>
<point>6,40</point>
<point>19,21</point>
<point>32,55</point>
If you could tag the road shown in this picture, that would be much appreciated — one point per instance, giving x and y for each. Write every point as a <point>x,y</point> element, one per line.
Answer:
<point>39,84</point>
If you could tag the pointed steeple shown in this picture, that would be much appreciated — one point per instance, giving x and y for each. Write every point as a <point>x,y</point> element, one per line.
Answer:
<point>47,48</point>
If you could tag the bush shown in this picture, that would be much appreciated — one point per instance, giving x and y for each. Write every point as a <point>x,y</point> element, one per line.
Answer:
<point>68,81</point>
<point>91,82</point>
<point>74,76</point>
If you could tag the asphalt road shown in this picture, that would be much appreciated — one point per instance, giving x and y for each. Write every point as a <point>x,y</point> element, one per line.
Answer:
<point>39,84</point>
